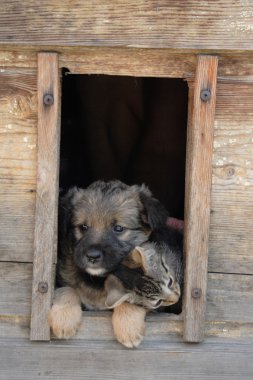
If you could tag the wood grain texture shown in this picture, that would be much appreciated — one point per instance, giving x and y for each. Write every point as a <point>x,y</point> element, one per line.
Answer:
<point>229,299</point>
<point>15,289</point>
<point>190,24</point>
<point>22,360</point>
<point>129,61</point>
<point>134,62</point>
<point>231,238</point>
<point>18,139</point>
<point>47,193</point>
<point>198,190</point>
<point>97,326</point>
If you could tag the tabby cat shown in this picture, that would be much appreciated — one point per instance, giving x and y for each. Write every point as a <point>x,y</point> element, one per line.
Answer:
<point>151,276</point>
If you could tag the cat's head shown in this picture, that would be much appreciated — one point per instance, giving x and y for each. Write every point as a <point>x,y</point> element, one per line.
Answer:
<point>158,287</point>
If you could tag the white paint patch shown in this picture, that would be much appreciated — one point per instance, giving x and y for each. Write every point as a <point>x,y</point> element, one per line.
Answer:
<point>219,162</point>
<point>31,146</point>
<point>25,139</point>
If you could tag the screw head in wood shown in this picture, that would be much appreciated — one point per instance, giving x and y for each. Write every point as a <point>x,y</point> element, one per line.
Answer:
<point>48,99</point>
<point>205,95</point>
<point>196,293</point>
<point>43,287</point>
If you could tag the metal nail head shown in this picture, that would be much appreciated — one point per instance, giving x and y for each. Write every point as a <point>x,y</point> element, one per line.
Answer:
<point>43,287</point>
<point>205,95</point>
<point>48,99</point>
<point>196,293</point>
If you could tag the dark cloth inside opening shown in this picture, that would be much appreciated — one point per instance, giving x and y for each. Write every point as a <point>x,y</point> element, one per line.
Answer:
<point>132,129</point>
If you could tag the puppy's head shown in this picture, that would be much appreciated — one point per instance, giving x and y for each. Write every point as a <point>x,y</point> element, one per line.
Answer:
<point>105,221</point>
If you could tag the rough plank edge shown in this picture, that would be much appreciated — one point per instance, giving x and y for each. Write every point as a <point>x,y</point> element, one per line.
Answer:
<point>198,197</point>
<point>47,194</point>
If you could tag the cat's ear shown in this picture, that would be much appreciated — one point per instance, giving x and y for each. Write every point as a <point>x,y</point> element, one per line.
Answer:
<point>116,293</point>
<point>139,258</point>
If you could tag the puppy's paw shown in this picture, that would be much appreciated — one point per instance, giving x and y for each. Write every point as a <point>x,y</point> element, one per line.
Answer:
<point>129,324</point>
<point>65,316</point>
<point>64,320</point>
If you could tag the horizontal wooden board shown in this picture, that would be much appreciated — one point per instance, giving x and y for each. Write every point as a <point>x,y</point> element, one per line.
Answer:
<point>190,24</point>
<point>15,288</point>
<point>229,297</point>
<point>130,61</point>
<point>22,360</point>
<point>96,326</point>
<point>231,238</point>
<point>17,202</point>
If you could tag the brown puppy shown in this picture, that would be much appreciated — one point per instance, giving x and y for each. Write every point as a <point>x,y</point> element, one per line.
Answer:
<point>99,226</point>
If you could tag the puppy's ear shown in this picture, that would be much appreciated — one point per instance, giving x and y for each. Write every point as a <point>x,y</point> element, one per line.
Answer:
<point>154,213</point>
<point>116,293</point>
<point>65,210</point>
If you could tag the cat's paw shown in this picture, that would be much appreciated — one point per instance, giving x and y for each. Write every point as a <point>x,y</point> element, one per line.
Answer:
<point>129,324</point>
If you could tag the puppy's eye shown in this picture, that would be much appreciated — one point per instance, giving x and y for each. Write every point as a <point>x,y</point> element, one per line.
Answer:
<point>170,283</point>
<point>118,228</point>
<point>83,227</point>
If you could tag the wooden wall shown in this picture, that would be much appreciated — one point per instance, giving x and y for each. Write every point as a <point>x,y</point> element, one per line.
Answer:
<point>139,38</point>
<point>230,280</point>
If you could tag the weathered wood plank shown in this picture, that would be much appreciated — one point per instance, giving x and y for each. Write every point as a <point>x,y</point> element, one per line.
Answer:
<point>229,296</point>
<point>18,138</point>
<point>17,204</point>
<point>22,360</point>
<point>97,326</point>
<point>47,193</point>
<point>139,24</point>
<point>158,63</point>
<point>15,289</point>
<point>129,61</point>
<point>18,110</point>
<point>198,190</point>
<point>231,238</point>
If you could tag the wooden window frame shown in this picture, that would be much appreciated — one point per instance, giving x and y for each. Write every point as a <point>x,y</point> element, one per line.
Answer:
<point>202,100</point>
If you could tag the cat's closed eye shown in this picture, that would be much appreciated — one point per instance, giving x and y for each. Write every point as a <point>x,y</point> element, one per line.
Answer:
<point>170,283</point>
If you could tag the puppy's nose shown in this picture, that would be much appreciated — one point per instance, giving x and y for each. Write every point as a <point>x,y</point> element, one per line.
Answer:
<point>94,255</point>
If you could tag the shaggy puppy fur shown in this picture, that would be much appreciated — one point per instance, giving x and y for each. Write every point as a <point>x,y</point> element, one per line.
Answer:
<point>99,226</point>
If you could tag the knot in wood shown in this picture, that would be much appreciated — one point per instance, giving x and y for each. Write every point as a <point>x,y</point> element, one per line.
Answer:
<point>230,171</point>
<point>43,287</point>
<point>196,293</point>
<point>205,95</point>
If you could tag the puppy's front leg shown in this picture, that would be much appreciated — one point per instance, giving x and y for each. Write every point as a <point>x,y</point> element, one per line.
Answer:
<point>128,323</point>
<point>65,315</point>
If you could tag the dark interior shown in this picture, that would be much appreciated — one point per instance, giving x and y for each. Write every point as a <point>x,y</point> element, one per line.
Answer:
<point>132,129</point>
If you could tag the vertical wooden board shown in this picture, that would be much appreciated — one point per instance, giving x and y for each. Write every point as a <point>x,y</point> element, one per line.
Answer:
<point>47,193</point>
<point>198,188</point>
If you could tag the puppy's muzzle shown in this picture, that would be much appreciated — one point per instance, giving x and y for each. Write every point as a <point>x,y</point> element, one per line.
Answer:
<point>94,255</point>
